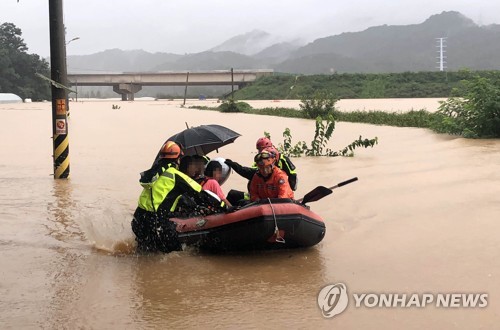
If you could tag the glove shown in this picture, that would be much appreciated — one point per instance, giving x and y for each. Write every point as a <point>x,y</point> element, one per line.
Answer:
<point>148,176</point>
<point>232,209</point>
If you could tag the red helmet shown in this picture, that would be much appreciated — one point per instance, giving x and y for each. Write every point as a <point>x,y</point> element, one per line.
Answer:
<point>274,151</point>
<point>262,143</point>
<point>170,150</point>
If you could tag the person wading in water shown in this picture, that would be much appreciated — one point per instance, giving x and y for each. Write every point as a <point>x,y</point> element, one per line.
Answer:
<point>163,185</point>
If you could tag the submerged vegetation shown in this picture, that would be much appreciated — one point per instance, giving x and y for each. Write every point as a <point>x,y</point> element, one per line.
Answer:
<point>319,107</point>
<point>232,106</point>
<point>475,115</point>
<point>413,118</point>
<point>473,112</point>
<point>322,104</point>
<point>323,133</point>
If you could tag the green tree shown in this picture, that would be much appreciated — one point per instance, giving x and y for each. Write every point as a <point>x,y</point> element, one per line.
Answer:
<point>18,68</point>
<point>321,104</point>
<point>373,88</point>
<point>476,114</point>
<point>10,38</point>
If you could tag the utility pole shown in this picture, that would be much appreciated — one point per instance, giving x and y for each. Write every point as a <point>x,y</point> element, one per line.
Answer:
<point>232,84</point>
<point>441,51</point>
<point>58,73</point>
<point>186,88</point>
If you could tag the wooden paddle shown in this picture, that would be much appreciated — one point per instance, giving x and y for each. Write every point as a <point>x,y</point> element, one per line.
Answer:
<point>319,192</point>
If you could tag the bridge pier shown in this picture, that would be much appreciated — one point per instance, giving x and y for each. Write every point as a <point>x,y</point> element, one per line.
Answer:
<point>127,91</point>
<point>127,96</point>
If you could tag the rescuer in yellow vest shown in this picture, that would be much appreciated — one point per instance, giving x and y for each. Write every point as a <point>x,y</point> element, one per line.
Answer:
<point>163,186</point>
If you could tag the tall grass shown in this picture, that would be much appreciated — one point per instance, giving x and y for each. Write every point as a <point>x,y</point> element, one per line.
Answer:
<point>414,118</point>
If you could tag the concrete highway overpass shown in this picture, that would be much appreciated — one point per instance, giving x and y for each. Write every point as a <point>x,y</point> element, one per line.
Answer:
<point>129,83</point>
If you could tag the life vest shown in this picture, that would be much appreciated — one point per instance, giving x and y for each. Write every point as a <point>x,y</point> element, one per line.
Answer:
<point>285,164</point>
<point>166,189</point>
<point>274,186</point>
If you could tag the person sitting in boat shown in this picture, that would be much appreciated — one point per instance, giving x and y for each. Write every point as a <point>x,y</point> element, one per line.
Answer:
<point>187,166</point>
<point>163,187</point>
<point>213,175</point>
<point>282,161</point>
<point>194,167</point>
<point>199,162</point>
<point>269,181</point>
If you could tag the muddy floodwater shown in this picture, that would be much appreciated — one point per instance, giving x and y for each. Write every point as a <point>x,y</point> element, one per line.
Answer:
<point>424,217</point>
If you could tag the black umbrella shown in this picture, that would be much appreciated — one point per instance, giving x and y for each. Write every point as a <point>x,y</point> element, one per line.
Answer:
<point>201,140</point>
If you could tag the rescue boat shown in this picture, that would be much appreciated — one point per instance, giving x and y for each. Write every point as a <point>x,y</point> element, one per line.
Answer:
<point>273,223</point>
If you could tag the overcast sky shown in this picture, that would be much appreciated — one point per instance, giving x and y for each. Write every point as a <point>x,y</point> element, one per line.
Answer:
<point>190,26</point>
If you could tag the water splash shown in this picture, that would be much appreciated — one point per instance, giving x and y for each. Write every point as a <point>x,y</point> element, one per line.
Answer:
<point>106,226</point>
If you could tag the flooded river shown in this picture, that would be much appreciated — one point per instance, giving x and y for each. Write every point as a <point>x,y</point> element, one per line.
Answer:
<point>424,217</point>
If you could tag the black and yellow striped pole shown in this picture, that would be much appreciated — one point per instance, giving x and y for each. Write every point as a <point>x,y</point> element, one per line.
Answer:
<point>58,74</point>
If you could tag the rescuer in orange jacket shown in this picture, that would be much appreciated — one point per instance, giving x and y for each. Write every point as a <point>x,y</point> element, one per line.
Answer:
<point>269,181</point>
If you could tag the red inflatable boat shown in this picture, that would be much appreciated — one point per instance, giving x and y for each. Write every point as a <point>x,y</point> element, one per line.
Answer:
<point>267,224</point>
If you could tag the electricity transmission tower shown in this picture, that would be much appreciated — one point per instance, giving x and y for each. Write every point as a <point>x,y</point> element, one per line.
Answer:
<point>441,44</point>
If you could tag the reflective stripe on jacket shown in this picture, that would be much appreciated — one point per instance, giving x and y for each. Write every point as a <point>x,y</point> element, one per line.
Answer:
<point>165,190</point>
<point>287,166</point>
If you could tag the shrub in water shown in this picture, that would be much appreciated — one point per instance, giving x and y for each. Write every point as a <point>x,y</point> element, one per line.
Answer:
<point>323,133</point>
<point>322,104</point>
<point>475,115</point>
<point>232,106</point>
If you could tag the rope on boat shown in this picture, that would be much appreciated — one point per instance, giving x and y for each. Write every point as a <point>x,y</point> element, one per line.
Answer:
<point>278,239</point>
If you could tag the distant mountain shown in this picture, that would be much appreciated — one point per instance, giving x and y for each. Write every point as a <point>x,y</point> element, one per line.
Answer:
<point>378,49</point>
<point>247,44</point>
<point>404,48</point>
<point>276,53</point>
<point>117,60</point>
<point>382,39</point>
<point>211,61</point>
<point>322,64</point>
<point>492,27</point>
